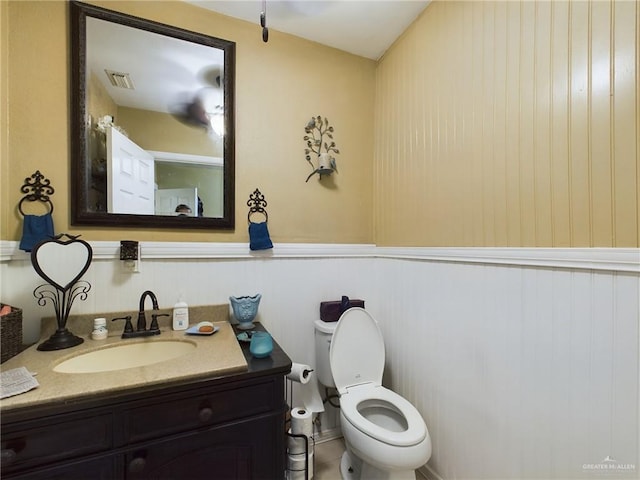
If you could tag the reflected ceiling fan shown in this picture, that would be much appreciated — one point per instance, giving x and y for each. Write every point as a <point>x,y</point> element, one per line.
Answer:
<point>204,108</point>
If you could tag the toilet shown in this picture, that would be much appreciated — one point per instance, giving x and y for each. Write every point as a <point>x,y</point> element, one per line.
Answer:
<point>385,436</point>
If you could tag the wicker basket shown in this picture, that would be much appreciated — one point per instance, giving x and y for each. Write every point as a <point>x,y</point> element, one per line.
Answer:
<point>11,333</point>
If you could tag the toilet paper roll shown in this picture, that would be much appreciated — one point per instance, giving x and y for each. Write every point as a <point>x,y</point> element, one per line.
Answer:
<point>308,387</point>
<point>301,421</point>
<point>296,475</point>
<point>300,373</point>
<point>297,445</point>
<point>296,464</point>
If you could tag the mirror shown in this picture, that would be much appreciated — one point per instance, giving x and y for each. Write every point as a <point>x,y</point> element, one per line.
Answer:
<point>152,127</point>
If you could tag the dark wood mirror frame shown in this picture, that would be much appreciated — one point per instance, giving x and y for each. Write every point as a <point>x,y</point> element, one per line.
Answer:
<point>80,164</point>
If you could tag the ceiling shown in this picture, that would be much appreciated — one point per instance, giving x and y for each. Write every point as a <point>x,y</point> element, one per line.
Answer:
<point>166,73</point>
<point>363,27</point>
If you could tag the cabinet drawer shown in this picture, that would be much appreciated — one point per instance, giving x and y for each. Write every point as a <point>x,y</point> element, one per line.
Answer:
<point>181,413</point>
<point>99,469</point>
<point>57,440</point>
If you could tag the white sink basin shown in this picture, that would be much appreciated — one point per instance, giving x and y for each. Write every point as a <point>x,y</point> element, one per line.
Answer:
<point>126,355</point>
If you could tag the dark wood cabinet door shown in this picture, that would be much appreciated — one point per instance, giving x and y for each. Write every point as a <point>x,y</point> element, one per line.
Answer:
<point>238,451</point>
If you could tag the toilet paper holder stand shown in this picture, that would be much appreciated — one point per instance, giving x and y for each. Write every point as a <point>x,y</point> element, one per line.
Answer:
<point>306,451</point>
<point>307,440</point>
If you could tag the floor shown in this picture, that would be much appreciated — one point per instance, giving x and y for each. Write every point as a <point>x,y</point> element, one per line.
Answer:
<point>327,460</point>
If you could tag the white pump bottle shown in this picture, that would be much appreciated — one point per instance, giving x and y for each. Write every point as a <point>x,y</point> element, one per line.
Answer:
<point>180,315</point>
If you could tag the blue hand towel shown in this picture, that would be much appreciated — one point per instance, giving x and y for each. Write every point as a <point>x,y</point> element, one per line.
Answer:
<point>35,229</point>
<point>259,236</point>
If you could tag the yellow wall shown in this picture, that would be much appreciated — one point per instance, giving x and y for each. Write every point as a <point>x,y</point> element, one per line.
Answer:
<point>511,124</point>
<point>4,164</point>
<point>99,103</point>
<point>496,124</point>
<point>279,86</point>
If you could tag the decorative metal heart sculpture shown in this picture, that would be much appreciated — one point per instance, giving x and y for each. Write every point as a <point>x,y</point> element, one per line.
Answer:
<point>62,263</point>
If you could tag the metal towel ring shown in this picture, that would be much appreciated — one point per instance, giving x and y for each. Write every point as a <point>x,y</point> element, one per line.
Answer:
<point>38,188</point>
<point>256,204</point>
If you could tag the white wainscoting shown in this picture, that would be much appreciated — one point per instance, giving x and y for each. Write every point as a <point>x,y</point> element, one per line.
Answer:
<point>523,362</point>
<point>519,372</point>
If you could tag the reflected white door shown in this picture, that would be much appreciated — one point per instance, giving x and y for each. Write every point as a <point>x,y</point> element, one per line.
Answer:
<point>130,177</point>
<point>167,199</point>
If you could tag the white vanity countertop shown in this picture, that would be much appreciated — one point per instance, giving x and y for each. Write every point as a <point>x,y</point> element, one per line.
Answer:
<point>215,355</point>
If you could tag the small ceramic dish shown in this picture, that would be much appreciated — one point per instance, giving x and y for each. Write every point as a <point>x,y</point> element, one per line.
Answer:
<point>195,330</point>
<point>245,336</point>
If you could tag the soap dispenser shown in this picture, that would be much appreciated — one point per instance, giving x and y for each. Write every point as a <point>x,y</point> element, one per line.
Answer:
<point>180,315</point>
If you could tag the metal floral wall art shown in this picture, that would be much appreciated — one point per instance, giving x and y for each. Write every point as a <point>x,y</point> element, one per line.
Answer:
<point>316,131</point>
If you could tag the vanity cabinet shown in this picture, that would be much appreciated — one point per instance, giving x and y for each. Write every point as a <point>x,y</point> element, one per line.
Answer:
<point>239,451</point>
<point>228,427</point>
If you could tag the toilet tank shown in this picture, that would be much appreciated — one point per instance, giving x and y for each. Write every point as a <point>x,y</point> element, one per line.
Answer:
<point>323,333</point>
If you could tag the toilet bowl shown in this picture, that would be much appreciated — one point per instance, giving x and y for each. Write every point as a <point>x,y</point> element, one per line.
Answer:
<point>385,435</point>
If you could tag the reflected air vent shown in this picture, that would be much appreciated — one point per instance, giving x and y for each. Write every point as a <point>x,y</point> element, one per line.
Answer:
<point>119,79</point>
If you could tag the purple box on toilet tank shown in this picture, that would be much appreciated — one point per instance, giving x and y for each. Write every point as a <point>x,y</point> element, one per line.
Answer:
<point>331,311</point>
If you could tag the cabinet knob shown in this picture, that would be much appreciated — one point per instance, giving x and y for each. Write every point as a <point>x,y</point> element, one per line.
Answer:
<point>137,465</point>
<point>8,456</point>
<point>205,414</point>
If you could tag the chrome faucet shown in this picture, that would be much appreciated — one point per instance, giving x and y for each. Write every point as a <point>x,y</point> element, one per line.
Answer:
<point>141,326</point>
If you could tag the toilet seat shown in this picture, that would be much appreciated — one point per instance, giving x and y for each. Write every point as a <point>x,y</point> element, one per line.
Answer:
<point>416,429</point>
<point>357,360</point>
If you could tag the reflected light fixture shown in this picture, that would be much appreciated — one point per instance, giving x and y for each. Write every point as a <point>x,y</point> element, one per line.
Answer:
<point>204,111</point>
<point>216,119</point>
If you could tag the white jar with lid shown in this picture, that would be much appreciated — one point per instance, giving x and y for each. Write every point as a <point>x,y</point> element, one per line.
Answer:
<point>99,329</point>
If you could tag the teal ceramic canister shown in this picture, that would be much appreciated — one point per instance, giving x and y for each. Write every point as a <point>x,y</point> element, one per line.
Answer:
<point>261,344</point>
<point>245,310</point>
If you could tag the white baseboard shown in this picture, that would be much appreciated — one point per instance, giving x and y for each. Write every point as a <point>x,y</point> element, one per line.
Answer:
<point>429,473</point>
<point>328,435</point>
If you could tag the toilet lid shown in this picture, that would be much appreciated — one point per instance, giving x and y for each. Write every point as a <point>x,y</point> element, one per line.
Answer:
<point>356,354</point>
